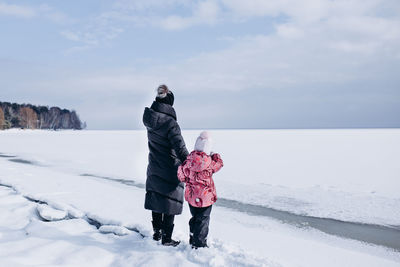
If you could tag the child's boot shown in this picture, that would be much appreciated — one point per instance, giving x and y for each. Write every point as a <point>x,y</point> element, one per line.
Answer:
<point>198,244</point>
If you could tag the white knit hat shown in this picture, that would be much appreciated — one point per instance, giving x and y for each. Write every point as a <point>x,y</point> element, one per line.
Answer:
<point>203,143</point>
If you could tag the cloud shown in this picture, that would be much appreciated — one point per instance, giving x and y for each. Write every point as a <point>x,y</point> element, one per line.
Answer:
<point>300,11</point>
<point>346,18</point>
<point>317,51</point>
<point>263,61</point>
<point>205,12</point>
<point>145,5</point>
<point>289,31</point>
<point>337,43</point>
<point>71,36</point>
<point>318,41</point>
<point>53,15</point>
<point>97,31</point>
<point>34,12</point>
<point>127,13</point>
<point>17,11</point>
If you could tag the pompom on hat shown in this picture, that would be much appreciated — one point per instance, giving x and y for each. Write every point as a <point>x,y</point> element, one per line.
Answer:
<point>164,95</point>
<point>162,91</point>
<point>204,143</point>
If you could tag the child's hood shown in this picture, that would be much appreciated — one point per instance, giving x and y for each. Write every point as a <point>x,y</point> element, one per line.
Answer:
<point>198,161</point>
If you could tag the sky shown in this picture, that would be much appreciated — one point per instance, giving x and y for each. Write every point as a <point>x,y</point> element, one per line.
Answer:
<point>230,63</point>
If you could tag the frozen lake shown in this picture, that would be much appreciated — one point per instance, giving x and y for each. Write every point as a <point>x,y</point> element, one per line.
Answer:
<point>305,185</point>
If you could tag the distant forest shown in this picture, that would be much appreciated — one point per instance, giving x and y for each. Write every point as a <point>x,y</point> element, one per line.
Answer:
<point>27,116</point>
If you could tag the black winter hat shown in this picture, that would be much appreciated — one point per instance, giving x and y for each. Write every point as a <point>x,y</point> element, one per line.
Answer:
<point>164,95</point>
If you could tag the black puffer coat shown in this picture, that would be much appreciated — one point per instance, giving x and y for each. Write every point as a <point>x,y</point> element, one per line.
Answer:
<point>164,191</point>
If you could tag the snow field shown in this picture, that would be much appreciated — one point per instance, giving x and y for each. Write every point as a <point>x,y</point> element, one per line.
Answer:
<point>52,215</point>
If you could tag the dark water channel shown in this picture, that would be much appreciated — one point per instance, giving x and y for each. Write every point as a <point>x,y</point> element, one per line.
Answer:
<point>374,234</point>
<point>6,156</point>
<point>15,159</point>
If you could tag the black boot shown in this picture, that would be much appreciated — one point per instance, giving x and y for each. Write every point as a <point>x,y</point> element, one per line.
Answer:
<point>166,237</point>
<point>157,231</point>
<point>201,246</point>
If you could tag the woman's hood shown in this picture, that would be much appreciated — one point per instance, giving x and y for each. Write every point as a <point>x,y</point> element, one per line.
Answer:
<point>150,118</point>
<point>198,161</point>
<point>157,114</point>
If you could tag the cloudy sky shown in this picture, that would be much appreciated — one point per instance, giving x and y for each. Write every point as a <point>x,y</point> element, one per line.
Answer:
<point>230,63</point>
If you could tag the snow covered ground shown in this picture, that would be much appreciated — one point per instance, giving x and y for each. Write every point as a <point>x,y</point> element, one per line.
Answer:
<point>52,214</point>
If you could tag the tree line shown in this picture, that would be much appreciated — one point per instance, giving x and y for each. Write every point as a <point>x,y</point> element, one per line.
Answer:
<point>27,116</point>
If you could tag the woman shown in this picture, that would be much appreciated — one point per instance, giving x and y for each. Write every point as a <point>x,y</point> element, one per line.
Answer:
<point>164,191</point>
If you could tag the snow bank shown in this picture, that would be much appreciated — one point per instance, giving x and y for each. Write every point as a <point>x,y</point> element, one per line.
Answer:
<point>114,229</point>
<point>27,241</point>
<point>50,214</point>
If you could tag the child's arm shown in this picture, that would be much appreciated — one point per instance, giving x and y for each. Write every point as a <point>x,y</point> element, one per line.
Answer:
<point>181,174</point>
<point>216,163</point>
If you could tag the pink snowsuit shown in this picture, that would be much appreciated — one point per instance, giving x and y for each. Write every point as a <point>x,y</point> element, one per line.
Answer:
<point>197,172</point>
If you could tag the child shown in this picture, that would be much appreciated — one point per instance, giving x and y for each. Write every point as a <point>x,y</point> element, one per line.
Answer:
<point>200,191</point>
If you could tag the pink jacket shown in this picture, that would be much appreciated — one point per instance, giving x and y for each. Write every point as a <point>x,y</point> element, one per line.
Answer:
<point>197,172</point>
